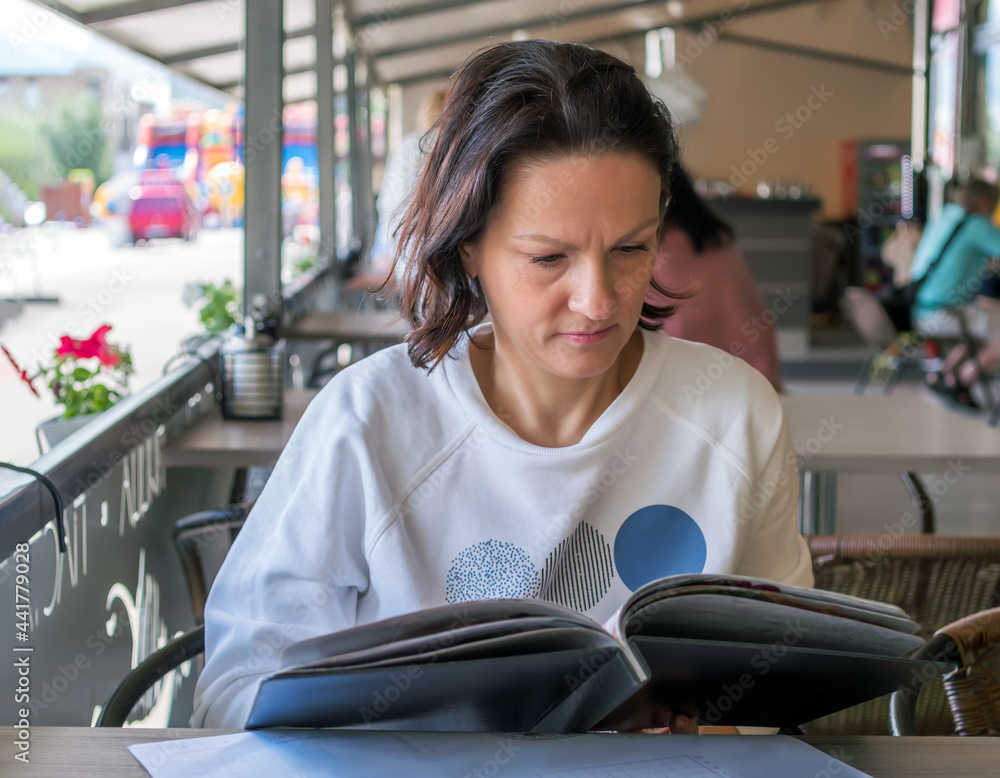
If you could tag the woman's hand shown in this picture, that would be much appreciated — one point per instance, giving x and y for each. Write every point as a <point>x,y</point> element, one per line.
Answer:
<point>643,714</point>
<point>679,725</point>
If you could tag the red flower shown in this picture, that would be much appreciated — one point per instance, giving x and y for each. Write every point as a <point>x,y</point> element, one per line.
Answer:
<point>94,346</point>
<point>23,373</point>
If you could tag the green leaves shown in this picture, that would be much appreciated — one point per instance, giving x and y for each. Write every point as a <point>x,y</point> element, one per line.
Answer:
<point>87,386</point>
<point>220,308</point>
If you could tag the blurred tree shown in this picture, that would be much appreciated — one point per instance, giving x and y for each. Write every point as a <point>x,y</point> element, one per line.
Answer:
<point>24,154</point>
<point>78,138</point>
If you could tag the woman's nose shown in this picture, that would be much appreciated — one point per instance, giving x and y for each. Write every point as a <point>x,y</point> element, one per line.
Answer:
<point>593,293</point>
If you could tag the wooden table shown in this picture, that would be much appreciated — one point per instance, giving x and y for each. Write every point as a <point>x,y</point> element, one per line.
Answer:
<point>890,434</point>
<point>68,752</point>
<point>832,434</point>
<point>216,442</point>
<point>887,434</point>
<point>349,325</point>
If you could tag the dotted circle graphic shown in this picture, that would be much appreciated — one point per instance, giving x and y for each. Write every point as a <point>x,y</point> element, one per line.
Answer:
<point>490,570</point>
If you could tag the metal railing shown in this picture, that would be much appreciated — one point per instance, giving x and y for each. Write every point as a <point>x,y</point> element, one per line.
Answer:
<point>144,421</point>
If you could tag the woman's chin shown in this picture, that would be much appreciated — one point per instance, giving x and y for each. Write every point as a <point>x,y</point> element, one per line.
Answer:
<point>581,366</point>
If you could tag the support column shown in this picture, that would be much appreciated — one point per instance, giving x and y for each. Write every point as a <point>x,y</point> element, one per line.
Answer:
<point>325,131</point>
<point>263,137</point>
<point>368,210</point>
<point>357,186</point>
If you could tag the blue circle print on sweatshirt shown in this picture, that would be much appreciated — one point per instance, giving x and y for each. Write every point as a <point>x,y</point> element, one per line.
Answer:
<point>657,541</point>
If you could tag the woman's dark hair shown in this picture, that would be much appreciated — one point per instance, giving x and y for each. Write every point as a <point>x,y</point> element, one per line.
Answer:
<point>514,102</point>
<point>690,213</point>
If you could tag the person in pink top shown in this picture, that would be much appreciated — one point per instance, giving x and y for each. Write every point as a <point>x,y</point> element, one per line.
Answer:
<point>697,254</point>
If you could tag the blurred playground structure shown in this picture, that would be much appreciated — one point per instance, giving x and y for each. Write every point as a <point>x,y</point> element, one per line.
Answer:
<point>203,150</point>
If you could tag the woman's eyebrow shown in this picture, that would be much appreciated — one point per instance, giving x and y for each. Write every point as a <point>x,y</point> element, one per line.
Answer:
<point>537,236</point>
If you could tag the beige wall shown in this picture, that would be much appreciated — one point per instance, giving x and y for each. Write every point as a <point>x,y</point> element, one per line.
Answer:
<point>749,90</point>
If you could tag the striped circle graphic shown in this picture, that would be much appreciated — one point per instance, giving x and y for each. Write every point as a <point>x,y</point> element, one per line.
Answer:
<point>579,571</point>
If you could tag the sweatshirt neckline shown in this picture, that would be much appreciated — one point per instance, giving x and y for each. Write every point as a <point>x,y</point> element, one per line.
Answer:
<point>464,384</point>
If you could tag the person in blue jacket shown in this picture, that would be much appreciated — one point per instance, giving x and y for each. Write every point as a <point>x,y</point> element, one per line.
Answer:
<point>956,258</point>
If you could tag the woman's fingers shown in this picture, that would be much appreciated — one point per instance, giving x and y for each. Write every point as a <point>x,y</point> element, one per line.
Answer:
<point>679,725</point>
<point>683,725</point>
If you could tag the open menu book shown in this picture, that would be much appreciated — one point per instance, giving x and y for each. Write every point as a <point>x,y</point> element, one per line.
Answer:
<point>730,650</point>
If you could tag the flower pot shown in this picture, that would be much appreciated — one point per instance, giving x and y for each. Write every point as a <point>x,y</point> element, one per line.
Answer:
<point>54,431</point>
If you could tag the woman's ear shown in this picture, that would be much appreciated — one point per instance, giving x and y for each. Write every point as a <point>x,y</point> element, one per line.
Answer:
<point>467,251</point>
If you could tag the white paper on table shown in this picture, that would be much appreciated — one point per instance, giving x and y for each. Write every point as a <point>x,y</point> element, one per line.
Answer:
<point>374,754</point>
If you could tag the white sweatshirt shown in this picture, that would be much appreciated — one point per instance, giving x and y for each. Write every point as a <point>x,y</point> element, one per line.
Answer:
<point>401,490</point>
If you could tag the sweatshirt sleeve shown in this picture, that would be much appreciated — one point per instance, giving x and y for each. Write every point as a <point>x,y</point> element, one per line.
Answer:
<point>296,568</point>
<point>772,546</point>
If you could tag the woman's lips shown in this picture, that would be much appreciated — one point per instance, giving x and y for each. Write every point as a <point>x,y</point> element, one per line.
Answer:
<point>584,338</point>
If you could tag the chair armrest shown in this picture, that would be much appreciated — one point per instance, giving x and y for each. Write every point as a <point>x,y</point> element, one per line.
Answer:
<point>958,642</point>
<point>150,670</point>
<point>903,704</point>
<point>973,633</point>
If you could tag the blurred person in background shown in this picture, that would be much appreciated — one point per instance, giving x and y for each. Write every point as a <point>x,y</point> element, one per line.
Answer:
<point>956,256</point>
<point>697,253</point>
<point>401,173</point>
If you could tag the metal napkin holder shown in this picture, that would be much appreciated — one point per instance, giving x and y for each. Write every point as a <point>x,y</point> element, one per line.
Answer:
<point>252,372</point>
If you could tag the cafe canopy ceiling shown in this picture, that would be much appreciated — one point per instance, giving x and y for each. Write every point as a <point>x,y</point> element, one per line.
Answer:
<point>403,40</point>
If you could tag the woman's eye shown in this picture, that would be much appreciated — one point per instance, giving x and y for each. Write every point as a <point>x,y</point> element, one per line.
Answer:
<point>633,249</point>
<point>549,259</point>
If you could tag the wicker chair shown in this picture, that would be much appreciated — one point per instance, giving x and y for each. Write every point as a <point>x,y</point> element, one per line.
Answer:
<point>939,581</point>
<point>973,688</point>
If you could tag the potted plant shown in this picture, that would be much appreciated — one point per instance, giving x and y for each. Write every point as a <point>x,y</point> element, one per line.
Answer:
<point>218,305</point>
<point>86,377</point>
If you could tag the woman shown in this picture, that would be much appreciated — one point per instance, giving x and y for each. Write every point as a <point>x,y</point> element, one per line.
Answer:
<point>401,171</point>
<point>697,253</point>
<point>454,467</point>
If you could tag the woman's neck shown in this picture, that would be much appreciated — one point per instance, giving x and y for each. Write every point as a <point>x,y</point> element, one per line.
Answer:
<point>540,408</point>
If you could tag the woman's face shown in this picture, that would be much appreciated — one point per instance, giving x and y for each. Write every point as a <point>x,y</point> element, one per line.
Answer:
<point>566,258</point>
